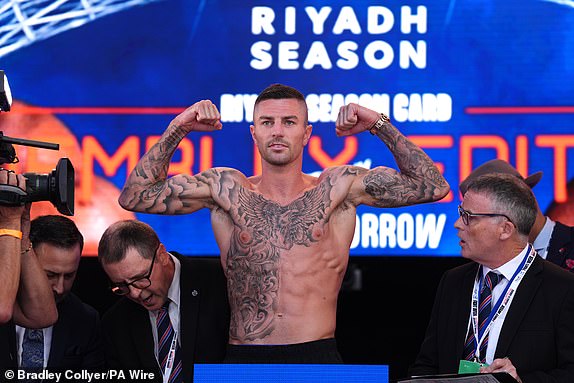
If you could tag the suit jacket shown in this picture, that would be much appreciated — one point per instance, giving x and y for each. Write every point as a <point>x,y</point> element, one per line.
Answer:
<point>76,339</point>
<point>537,334</point>
<point>204,322</point>
<point>561,246</point>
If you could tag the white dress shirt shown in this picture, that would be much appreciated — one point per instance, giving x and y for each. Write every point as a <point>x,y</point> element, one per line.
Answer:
<point>542,241</point>
<point>47,343</point>
<point>507,270</point>
<point>173,295</point>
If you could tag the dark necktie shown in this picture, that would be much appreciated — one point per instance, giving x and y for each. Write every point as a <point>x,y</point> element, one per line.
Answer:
<point>484,307</point>
<point>33,349</point>
<point>165,337</point>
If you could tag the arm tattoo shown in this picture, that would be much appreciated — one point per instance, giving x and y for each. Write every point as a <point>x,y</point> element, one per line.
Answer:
<point>419,180</point>
<point>389,191</point>
<point>264,231</point>
<point>176,194</point>
<point>155,163</point>
<point>147,188</point>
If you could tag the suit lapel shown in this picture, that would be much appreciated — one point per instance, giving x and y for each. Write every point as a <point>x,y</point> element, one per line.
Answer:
<point>518,307</point>
<point>57,346</point>
<point>462,310</point>
<point>59,338</point>
<point>561,245</point>
<point>8,334</point>
<point>189,311</point>
<point>142,336</point>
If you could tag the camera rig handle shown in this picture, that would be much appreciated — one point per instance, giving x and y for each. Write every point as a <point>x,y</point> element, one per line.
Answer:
<point>22,141</point>
<point>12,195</point>
<point>7,152</point>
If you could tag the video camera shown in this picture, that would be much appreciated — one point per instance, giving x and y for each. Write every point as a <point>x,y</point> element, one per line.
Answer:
<point>56,187</point>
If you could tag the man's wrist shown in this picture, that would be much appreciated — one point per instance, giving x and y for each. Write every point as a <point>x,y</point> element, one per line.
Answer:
<point>382,121</point>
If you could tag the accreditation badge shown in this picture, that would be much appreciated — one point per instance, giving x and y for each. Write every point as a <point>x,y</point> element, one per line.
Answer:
<point>470,367</point>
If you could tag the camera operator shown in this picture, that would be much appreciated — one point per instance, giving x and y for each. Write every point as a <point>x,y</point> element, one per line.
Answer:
<point>26,297</point>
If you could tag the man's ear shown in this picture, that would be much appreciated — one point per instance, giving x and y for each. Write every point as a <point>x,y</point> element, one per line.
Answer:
<point>252,130</point>
<point>308,131</point>
<point>508,229</point>
<point>163,254</point>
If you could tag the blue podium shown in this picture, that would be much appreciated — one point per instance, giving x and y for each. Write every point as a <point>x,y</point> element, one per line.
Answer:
<point>290,373</point>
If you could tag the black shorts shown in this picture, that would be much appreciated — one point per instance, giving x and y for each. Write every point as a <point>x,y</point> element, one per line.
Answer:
<point>317,352</point>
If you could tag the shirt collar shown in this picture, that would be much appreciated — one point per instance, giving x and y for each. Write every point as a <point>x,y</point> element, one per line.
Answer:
<point>174,289</point>
<point>543,238</point>
<point>510,267</point>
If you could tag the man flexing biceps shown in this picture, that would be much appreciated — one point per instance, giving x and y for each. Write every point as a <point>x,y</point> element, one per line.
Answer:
<point>284,235</point>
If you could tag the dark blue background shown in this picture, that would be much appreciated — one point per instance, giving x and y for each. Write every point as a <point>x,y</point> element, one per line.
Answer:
<point>172,53</point>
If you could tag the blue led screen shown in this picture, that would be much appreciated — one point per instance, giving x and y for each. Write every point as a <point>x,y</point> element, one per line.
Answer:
<point>466,80</point>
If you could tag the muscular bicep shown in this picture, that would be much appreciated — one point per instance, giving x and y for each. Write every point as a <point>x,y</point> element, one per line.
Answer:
<point>386,187</point>
<point>180,194</point>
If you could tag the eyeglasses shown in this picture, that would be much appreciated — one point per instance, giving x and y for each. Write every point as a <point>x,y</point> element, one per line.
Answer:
<point>465,215</point>
<point>123,288</point>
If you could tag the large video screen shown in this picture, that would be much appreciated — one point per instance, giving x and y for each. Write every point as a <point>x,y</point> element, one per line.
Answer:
<point>466,80</point>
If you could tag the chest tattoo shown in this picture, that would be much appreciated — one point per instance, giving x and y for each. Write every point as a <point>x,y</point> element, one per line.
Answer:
<point>263,230</point>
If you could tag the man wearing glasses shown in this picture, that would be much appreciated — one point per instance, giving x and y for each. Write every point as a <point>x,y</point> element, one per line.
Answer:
<point>174,312</point>
<point>508,310</point>
<point>551,239</point>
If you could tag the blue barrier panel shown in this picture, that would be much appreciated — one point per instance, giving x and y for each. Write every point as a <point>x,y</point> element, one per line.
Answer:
<point>292,373</point>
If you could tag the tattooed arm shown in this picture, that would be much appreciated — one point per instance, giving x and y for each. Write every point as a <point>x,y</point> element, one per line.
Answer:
<point>148,190</point>
<point>418,181</point>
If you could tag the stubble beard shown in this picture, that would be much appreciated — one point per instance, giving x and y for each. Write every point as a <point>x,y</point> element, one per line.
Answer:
<point>276,159</point>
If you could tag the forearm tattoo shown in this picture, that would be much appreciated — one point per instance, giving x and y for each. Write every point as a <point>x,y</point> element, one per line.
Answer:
<point>155,163</point>
<point>419,180</point>
<point>146,183</point>
<point>263,231</point>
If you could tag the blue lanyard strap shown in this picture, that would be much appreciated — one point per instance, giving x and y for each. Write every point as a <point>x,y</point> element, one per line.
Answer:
<point>500,299</point>
<point>501,302</point>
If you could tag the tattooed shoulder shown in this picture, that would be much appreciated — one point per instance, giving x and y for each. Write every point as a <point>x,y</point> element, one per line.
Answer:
<point>218,176</point>
<point>343,171</point>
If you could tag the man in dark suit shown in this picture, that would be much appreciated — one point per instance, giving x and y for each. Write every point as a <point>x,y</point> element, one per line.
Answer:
<point>529,332</point>
<point>190,292</point>
<point>552,240</point>
<point>74,341</point>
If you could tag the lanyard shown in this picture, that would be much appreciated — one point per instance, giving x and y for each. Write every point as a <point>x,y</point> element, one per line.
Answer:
<point>502,301</point>
<point>170,358</point>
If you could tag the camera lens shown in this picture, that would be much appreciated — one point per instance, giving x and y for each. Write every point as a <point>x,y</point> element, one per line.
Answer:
<point>56,187</point>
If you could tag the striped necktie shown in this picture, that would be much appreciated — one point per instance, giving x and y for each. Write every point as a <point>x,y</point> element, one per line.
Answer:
<point>165,338</point>
<point>484,307</point>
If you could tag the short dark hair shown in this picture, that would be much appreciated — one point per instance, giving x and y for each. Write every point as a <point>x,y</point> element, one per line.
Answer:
<point>279,92</point>
<point>124,235</point>
<point>511,196</point>
<point>55,230</point>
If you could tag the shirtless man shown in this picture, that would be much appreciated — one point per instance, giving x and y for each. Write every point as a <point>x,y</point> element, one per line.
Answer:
<point>284,236</point>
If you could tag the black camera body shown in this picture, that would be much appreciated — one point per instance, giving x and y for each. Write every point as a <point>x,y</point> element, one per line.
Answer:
<point>56,186</point>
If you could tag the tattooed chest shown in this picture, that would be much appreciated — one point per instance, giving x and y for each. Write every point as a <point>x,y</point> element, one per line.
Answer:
<point>263,231</point>
<point>262,222</point>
